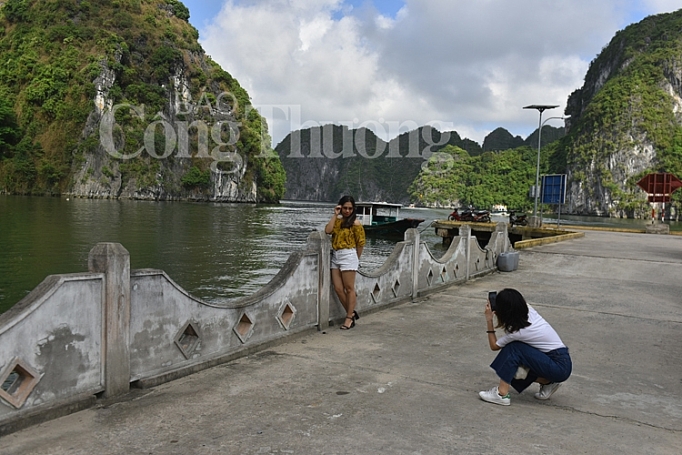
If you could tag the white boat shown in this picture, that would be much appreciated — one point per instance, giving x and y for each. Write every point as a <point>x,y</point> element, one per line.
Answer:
<point>500,211</point>
<point>381,219</point>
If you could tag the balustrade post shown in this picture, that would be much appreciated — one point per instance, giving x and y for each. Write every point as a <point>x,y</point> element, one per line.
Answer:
<point>320,241</point>
<point>412,235</point>
<point>504,233</point>
<point>113,260</point>
<point>465,232</point>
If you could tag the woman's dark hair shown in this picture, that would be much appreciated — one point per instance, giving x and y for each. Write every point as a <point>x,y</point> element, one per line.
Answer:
<point>348,222</point>
<point>511,310</point>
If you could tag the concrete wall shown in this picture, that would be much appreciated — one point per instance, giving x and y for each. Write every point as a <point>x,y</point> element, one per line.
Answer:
<point>78,336</point>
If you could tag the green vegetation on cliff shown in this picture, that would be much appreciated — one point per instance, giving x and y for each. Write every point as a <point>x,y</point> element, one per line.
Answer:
<point>501,139</point>
<point>626,106</point>
<point>60,56</point>
<point>452,176</point>
<point>422,166</point>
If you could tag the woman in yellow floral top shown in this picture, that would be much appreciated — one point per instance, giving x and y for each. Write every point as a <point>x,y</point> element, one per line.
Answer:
<point>348,240</point>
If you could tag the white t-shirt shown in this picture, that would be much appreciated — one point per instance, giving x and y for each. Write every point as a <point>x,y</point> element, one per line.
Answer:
<point>538,334</point>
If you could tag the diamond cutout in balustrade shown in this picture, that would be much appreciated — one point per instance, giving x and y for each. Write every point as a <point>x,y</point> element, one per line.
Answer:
<point>455,269</point>
<point>444,275</point>
<point>286,315</point>
<point>18,380</point>
<point>244,328</point>
<point>188,339</point>
<point>429,277</point>
<point>376,292</point>
<point>478,261</point>
<point>396,288</point>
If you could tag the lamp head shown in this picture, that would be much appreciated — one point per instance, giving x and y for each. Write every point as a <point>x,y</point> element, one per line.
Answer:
<point>541,107</point>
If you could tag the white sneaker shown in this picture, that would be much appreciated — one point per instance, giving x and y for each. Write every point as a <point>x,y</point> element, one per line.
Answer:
<point>547,390</point>
<point>493,396</point>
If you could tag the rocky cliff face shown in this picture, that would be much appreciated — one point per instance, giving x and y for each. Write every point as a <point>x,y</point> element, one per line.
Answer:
<point>104,171</point>
<point>626,118</point>
<point>324,163</point>
<point>118,100</point>
<point>501,139</point>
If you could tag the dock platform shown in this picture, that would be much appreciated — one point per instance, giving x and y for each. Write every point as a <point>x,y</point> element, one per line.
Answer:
<point>405,380</point>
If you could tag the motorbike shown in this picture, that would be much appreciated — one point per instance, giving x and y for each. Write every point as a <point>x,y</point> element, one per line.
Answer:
<point>471,215</point>
<point>455,216</point>
<point>517,220</point>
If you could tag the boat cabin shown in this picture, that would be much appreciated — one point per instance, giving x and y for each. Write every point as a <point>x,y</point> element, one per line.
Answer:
<point>377,213</point>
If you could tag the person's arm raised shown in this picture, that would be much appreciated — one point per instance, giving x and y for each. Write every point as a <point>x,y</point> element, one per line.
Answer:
<point>329,228</point>
<point>492,337</point>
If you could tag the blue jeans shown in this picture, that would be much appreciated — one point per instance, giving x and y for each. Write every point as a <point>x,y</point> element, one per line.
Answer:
<point>555,366</point>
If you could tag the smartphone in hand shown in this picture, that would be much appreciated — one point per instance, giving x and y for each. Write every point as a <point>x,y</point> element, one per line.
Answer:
<point>492,296</point>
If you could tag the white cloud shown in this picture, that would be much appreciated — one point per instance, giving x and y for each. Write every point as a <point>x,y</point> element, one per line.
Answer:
<point>472,64</point>
<point>660,6</point>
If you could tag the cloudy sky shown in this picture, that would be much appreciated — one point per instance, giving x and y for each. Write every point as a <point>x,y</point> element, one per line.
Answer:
<point>462,65</point>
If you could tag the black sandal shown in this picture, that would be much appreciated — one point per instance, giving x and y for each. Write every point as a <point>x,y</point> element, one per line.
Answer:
<point>348,327</point>
<point>356,316</point>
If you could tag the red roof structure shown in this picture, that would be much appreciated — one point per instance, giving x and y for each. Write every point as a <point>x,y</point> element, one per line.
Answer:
<point>660,186</point>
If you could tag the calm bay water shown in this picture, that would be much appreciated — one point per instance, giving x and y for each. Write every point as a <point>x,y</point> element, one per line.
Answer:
<point>613,222</point>
<point>215,251</point>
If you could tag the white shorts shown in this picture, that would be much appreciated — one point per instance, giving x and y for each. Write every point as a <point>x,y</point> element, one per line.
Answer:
<point>346,259</point>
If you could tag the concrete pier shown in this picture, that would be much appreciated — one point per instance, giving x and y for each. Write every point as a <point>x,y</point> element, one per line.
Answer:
<point>519,236</point>
<point>405,380</point>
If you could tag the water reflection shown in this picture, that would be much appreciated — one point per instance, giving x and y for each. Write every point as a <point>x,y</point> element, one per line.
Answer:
<point>215,251</point>
<point>578,220</point>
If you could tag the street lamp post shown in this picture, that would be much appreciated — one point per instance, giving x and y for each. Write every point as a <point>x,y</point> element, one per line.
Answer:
<point>540,108</point>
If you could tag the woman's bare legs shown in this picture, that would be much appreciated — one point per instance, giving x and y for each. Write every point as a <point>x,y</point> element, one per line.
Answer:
<point>348,277</point>
<point>337,282</point>
<point>503,388</point>
<point>344,285</point>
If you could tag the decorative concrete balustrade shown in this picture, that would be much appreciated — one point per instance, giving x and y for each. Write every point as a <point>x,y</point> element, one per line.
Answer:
<point>80,336</point>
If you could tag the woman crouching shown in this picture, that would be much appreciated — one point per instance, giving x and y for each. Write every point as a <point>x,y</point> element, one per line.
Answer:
<point>530,350</point>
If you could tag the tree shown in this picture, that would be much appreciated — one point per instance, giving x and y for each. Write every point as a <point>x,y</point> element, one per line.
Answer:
<point>9,130</point>
<point>452,177</point>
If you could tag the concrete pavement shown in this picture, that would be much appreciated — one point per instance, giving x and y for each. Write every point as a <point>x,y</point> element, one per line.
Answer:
<point>406,380</point>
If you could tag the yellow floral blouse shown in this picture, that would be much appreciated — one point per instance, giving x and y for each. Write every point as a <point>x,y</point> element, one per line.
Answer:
<point>352,237</point>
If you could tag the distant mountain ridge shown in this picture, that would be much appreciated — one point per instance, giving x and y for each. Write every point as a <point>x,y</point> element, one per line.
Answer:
<point>323,163</point>
<point>501,139</point>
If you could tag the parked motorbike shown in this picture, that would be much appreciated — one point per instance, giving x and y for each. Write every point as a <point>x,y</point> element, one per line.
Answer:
<point>471,215</point>
<point>517,220</point>
<point>480,216</point>
<point>455,216</point>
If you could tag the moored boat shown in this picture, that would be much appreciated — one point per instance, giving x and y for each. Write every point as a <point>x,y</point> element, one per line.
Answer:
<point>500,211</point>
<point>381,219</point>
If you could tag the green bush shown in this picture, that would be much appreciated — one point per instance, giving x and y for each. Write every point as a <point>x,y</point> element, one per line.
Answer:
<point>16,10</point>
<point>107,172</point>
<point>9,130</point>
<point>196,178</point>
<point>452,175</point>
<point>179,9</point>
<point>162,61</point>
